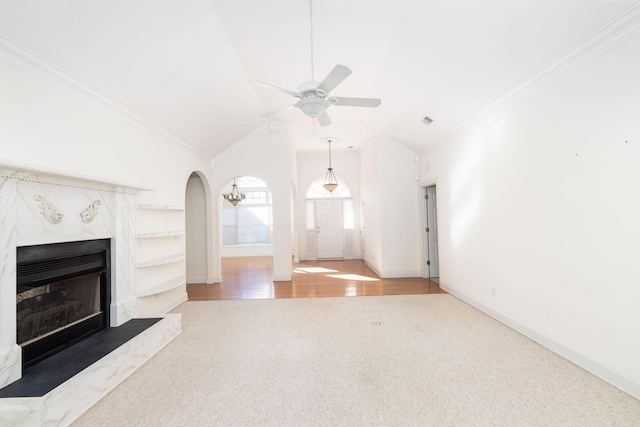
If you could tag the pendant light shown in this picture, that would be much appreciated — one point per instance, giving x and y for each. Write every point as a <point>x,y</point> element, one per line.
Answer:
<point>235,196</point>
<point>330,181</point>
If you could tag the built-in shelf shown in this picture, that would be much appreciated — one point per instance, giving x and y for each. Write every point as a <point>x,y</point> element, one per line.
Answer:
<point>161,261</point>
<point>158,234</point>
<point>164,286</point>
<point>161,207</point>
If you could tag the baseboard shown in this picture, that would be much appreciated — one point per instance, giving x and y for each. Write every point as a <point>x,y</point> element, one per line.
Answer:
<point>196,280</point>
<point>283,278</point>
<point>375,270</point>
<point>395,274</point>
<point>400,274</point>
<point>248,250</point>
<point>172,304</point>
<point>602,371</point>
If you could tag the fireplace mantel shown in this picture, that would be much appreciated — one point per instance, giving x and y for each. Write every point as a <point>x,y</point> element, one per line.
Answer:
<point>43,206</point>
<point>23,171</point>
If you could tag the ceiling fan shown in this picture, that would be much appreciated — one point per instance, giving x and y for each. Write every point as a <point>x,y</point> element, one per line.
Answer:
<point>314,96</point>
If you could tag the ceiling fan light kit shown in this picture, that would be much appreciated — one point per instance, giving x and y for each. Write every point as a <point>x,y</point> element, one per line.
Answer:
<point>313,107</point>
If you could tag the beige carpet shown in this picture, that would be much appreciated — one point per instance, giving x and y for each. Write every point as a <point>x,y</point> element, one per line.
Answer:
<point>427,360</point>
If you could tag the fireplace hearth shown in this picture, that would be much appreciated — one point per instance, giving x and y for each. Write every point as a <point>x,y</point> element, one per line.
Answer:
<point>62,295</point>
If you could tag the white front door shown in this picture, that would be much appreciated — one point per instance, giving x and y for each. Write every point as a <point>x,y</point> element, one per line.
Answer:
<point>432,233</point>
<point>329,228</point>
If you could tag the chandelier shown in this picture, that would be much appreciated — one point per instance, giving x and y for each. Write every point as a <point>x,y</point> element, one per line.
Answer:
<point>330,181</point>
<point>235,196</point>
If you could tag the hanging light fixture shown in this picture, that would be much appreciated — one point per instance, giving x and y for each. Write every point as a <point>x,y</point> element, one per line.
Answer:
<point>330,181</point>
<point>235,196</point>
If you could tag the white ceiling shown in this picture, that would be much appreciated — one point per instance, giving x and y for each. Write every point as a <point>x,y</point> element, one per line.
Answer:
<point>187,65</point>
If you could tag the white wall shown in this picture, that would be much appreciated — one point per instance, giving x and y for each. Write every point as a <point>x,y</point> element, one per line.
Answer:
<point>50,127</point>
<point>266,154</point>
<point>391,207</point>
<point>370,203</point>
<point>539,204</point>
<point>311,166</point>
<point>400,207</point>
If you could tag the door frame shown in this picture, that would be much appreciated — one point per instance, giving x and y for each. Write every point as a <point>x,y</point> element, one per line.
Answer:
<point>424,224</point>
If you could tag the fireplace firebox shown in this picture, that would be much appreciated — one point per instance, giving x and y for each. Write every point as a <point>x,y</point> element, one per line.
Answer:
<point>62,295</point>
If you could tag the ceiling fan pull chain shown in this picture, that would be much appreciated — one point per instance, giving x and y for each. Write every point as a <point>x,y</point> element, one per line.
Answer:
<point>311,37</point>
<point>313,133</point>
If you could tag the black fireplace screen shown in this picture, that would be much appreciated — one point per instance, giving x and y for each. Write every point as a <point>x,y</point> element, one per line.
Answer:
<point>48,308</point>
<point>62,295</point>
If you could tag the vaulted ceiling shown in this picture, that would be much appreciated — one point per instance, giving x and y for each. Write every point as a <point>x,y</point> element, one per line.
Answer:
<point>188,66</point>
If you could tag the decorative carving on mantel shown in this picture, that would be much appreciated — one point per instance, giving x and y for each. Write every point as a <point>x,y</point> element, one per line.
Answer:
<point>91,212</point>
<point>49,210</point>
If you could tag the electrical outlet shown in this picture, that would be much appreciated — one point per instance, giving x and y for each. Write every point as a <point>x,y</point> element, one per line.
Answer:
<point>493,291</point>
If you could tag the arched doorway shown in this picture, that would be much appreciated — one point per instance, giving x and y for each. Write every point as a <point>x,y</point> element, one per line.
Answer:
<point>246,244</point>
<point>247,228</point>
<point>196,230</point>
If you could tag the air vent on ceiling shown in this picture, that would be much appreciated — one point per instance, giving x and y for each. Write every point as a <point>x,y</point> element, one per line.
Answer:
<point>427,120</point>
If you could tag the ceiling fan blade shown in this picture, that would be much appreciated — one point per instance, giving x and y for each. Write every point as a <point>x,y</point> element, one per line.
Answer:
<point>354,102</point>
<point>324,119</point>
<point>274,112</point>
<point>335,77</point>
<point>279,89</point>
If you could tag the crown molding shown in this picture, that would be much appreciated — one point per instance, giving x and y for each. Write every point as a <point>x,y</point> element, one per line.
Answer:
<point>262,130</point>
<point>20,57</point>
<point>611,35</point>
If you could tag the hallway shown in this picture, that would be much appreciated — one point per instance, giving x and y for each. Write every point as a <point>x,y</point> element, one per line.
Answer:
<point>250,278</point>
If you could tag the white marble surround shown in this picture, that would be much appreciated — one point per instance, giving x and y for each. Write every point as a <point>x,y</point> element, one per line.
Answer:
<point>41,208</point>
<point>64,404</point>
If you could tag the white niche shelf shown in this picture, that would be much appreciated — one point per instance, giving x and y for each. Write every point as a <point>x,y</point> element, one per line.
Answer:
<point>159,234</point>
<point>167,285</point>
<point>160,207</point>
<point>161,261</point>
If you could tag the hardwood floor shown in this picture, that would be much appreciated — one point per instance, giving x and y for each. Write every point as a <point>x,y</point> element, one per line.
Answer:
<point>250,278</point>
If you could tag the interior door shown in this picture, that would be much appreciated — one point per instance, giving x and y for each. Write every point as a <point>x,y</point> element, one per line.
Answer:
<point>329,229</point>
<point>432,232</point>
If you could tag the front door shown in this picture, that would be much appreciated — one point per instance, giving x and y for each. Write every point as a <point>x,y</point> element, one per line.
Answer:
<point>329,228</point>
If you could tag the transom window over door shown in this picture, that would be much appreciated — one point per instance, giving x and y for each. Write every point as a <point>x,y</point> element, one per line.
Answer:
<point>251,221</point>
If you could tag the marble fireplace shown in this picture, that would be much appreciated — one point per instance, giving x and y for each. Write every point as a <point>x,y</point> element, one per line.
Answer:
<point>62,295</point>
<point>41,209</point>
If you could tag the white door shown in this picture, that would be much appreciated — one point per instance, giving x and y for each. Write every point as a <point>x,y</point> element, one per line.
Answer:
<point>432,233</point>
<point>329,229</point>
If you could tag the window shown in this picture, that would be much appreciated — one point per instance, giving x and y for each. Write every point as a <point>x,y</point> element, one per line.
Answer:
<point>251,220</point>
<point>311,216</point>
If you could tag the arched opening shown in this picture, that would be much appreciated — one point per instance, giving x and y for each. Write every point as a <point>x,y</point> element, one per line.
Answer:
<point>329,222</point>
<point>247,228</point>
<point>196,230</point>
<point>246,246</point>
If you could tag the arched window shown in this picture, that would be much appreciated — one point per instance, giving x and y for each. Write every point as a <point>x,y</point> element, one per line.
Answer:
<point>251,221</point>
